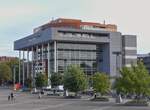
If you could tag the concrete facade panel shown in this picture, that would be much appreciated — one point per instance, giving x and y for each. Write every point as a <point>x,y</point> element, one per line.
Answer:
<point>34,39</point>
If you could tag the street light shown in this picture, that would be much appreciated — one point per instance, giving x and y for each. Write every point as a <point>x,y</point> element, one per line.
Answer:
<point>65,69</point>
<point>14,74</point>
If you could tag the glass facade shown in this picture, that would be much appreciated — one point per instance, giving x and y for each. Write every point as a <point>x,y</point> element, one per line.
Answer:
<point>84,55</point>
<point>87,56</point>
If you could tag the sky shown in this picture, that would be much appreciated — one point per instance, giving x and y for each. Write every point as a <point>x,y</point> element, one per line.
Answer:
<point>19,17</point>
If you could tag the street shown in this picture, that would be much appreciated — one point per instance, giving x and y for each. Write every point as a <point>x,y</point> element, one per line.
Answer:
<point>27,101</point>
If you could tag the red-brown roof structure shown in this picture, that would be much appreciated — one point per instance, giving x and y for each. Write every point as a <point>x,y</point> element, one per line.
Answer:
<point>77,24</point>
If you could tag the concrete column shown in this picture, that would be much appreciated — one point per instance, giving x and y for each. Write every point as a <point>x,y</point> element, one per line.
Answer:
<point>14,75</point>
<point>19,66</point>
<point>117,65</point>
<point>55,55</point>
<point>42,60</point>
<point>36,59</point>
<point>28,63</point>
<point>23,70</point>
<point>48,58</point>
<point>33,76</point>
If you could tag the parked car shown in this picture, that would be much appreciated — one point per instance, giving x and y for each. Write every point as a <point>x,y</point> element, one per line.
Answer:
<point>55,92</point>
<point>47,91</point>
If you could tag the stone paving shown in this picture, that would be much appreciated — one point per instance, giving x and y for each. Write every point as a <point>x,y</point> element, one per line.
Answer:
<point>26,101</point>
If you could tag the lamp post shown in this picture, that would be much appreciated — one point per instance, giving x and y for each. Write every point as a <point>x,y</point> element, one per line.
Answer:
<point>14,75</point>
<point>65,69</point>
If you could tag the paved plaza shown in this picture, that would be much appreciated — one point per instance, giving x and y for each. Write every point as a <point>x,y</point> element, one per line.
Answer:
<point>26,101</point>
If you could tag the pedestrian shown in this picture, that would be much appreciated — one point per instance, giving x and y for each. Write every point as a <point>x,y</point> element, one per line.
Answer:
<point>8,97</point>
<point>120,99</point>
<point>39,95</point>
<point>12,96</point>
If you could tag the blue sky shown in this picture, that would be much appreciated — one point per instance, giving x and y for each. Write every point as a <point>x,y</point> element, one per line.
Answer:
<point>19,17</point>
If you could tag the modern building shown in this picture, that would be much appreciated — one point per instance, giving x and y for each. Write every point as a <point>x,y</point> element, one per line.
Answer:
<point>145,58</point>
<point>93,46</point>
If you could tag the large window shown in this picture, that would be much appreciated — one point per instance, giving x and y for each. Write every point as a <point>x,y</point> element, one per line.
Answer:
<point>81,54</point>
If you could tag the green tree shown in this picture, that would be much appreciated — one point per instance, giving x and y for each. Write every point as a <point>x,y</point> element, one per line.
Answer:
<point>41,80</point>
<point>134,80</point>
<point>56,79</point>
<point>11,64</point>
<point>75,79</point>
<point>5,73</point>
<point>101,83</point>
<point>28,82</point>
<point>125,83</point>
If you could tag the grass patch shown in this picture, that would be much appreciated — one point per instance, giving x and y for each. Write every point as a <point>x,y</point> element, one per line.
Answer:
<point>137,103</point>
<point>105,99</point>
<point>73,97</point>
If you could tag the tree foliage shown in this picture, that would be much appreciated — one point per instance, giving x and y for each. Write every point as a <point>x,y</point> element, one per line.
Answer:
<point>5,72</point>
<point>134,80</point>
<point>56,79</point>
<point>101,83</point>
<point>11,64</point>
<point>75,79</point>
<point>28,82</point>
<point>41,80</point>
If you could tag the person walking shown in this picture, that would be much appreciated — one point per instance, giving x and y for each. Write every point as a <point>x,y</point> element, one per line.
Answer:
<point>9,97</point>
<point>39,95</point>
<point>12,96</point>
